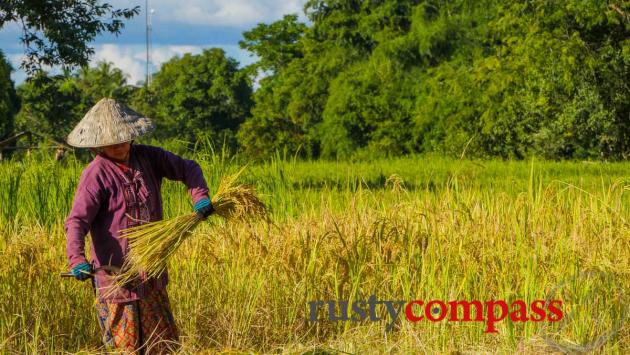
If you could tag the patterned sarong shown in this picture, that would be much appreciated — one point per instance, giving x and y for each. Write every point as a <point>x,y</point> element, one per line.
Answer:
<point>145,326</point>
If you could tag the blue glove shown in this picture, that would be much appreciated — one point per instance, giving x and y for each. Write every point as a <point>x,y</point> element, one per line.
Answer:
<point>82,271</point>
<point>204,208</point>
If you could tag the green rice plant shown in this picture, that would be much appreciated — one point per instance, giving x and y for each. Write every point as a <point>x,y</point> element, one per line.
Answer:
<point>10,183</point>
<point>460,229</point>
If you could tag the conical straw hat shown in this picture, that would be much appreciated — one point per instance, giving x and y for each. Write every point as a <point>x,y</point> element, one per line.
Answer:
<point>107,123</point>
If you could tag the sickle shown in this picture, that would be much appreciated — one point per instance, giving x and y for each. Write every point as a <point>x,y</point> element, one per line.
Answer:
<point>109,268</point>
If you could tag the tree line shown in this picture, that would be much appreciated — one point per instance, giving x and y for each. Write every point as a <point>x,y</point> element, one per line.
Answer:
<point>484,78</point>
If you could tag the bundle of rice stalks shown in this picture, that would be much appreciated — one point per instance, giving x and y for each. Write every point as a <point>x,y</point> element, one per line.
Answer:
<point>151,244</point>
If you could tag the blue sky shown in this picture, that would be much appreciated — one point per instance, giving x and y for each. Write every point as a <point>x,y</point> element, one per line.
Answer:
<point>184,26</point>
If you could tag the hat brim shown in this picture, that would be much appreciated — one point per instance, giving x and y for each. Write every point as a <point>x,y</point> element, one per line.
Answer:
<point>107,123</point>
<point>144,127</point>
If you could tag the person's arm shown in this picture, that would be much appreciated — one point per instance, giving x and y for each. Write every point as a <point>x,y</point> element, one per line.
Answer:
<point>85,207</point>
<point>174,167</point>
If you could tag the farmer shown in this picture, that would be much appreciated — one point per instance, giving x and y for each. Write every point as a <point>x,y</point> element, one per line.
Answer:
<point>119,189</point>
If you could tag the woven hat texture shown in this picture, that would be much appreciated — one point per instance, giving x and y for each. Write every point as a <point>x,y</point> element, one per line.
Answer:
<point>109,122</point>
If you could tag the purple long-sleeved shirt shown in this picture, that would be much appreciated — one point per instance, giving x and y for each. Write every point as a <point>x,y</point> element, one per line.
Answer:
<point>100,208</point>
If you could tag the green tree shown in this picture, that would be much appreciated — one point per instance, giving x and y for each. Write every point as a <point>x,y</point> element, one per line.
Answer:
<point>142,99</point>
<point>277,44</point>
<point>201,95</point>
<point>489,78</point>
<point>9,102</point>
<point>103,80</point>
<point>295,98</point>
<point>369,111</point>
<point>298,94</point>
<point>58,32</point>
<point>51,104</point>
<point>539,83</point>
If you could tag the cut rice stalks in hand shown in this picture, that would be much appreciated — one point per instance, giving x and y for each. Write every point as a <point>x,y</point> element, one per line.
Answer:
<point>151,244</point>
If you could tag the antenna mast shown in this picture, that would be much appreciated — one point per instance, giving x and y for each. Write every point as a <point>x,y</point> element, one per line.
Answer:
<point>148,12</point>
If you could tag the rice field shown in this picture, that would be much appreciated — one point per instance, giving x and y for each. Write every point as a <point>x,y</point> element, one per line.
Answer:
<point>413,228</point>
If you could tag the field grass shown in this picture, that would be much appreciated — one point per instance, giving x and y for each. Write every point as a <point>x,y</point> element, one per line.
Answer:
<point>424,227</point>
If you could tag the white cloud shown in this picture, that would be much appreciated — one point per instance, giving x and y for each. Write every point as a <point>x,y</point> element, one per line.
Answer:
<point>18,75</point>
<point>123,57</point>
<point>131,59</point>
<point>241,14</point>
<point>163,54</point>
<point>12,29</point>
<point>15,59</point>
<point>231,13</point>
<point>222,13</point>
<point>292,7</point>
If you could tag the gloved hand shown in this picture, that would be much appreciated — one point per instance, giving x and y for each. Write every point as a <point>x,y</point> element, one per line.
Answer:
<point>204,208</point>
<point>82,271</point>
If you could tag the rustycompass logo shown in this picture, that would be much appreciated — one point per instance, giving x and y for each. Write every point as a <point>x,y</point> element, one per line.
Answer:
<point>490,312</point>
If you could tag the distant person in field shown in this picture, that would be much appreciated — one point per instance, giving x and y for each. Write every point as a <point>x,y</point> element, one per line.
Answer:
<point>60,153</point>
<point>120,189</point>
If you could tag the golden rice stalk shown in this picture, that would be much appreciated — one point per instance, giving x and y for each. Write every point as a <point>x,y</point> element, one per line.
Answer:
<point>151,244</point>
